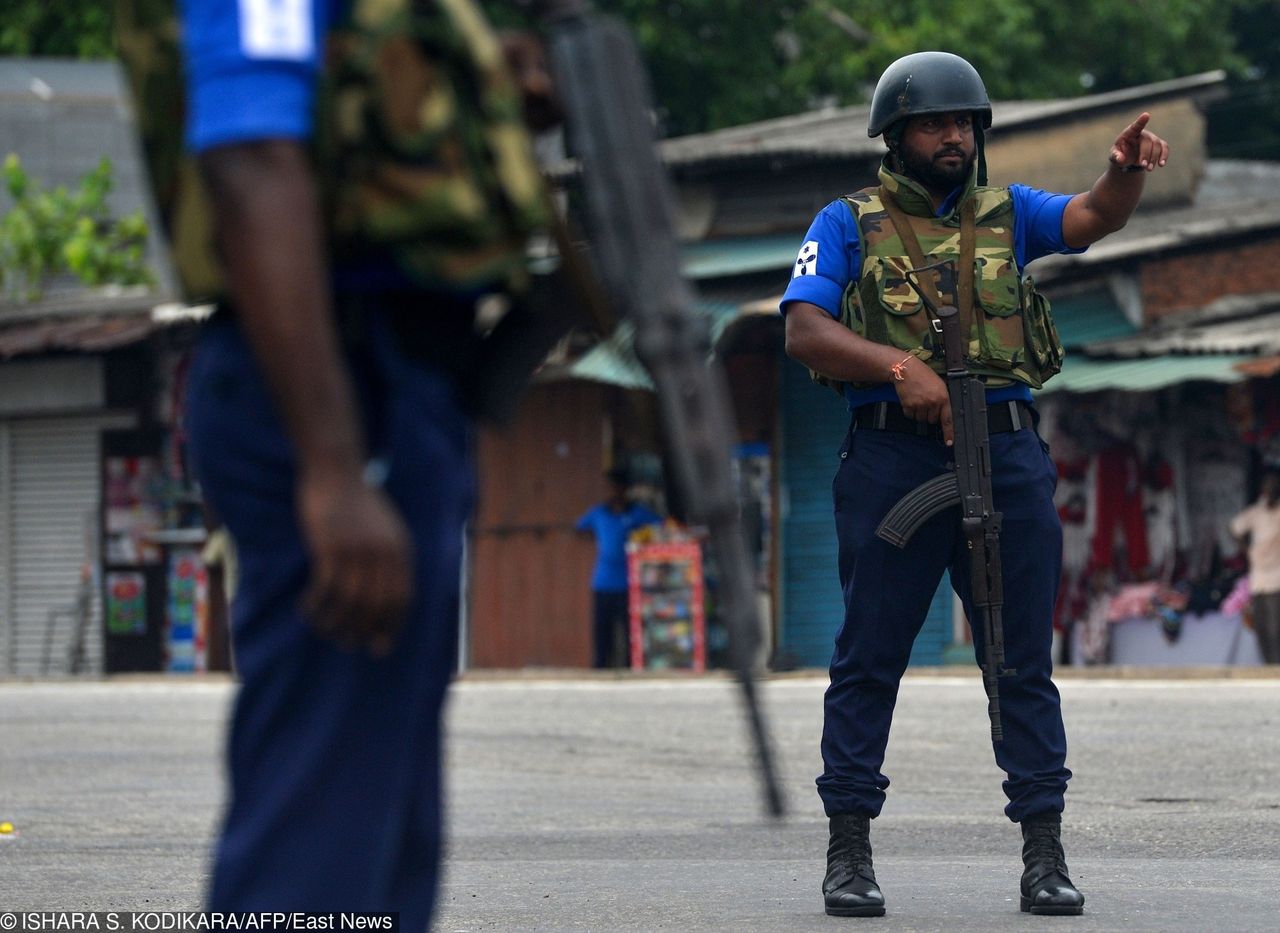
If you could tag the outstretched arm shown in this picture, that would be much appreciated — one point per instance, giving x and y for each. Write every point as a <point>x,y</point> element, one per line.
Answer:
<point>1106,207</point>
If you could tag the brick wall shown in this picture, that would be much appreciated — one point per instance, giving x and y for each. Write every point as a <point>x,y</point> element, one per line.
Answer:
<point>1193,280</point>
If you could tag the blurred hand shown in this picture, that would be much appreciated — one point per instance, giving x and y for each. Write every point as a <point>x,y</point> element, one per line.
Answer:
<point>527,59</point>
<point>361,561</point>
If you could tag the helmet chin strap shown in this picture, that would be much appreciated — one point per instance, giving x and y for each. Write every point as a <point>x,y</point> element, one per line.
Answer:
<point>979,142</point>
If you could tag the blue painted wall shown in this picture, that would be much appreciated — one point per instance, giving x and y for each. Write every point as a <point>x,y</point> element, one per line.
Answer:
<point>813,423</point>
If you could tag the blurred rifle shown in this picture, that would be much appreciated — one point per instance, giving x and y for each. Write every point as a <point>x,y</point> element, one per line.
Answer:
<point>969,487</point>
<point>636,258</point>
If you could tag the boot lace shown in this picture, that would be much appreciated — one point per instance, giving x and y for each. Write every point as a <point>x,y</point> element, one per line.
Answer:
<point>850,848</point>
<point>1042,849</point>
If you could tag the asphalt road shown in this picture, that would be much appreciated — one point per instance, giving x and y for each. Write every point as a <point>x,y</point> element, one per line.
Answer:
<point>623,804</point>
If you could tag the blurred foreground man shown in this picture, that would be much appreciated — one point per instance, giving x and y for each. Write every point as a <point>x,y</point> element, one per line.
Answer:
<point>853,320</point>
<point>369,179</point>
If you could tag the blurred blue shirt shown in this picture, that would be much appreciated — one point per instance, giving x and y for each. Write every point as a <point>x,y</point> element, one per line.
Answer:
<point>611,530</point>
<point>252,68</point>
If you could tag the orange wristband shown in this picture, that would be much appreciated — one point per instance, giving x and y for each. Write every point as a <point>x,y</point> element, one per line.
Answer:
<point>898,369</point>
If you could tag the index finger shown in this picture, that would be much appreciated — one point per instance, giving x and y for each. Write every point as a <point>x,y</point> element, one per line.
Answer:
<point>1137,126</point>
<point>948,432</point>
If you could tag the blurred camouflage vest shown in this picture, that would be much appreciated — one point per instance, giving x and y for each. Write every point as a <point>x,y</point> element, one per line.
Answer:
<point>1011,332</point>
<point>420,148</point>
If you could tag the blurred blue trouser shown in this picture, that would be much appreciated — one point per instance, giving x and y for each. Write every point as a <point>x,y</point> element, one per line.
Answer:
<point>334,757</point>
<point>887,593</point>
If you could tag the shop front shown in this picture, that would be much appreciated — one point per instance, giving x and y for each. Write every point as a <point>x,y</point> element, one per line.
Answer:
<point>1150,476</point>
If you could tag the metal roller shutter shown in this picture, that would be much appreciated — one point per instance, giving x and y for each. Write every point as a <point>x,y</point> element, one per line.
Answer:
<point>814,421</point>
<point>53,484</point>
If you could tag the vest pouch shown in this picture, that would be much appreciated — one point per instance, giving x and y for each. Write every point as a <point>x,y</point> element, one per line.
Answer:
<point>894,313</point>
<point>1001,335</point>
<point>1043,343</point>
<point>893,292</point>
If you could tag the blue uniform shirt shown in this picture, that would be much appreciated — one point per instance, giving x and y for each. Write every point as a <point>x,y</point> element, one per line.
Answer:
<point>831,258</point>
<point>611,530</point>
<point>252,68</point>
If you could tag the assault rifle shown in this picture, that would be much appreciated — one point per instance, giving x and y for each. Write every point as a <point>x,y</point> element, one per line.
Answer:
<point>635,256</point>
<point>970,488</point>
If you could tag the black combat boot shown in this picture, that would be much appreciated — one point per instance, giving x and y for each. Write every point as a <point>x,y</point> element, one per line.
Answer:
<point>1046,889</point>
<point>850,888</point>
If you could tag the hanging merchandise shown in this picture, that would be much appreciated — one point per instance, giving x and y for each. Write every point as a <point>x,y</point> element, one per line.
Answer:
<point>187,611</point>
<point>1119,511</point>
<point>1160,505</point>
<point>126,610</point>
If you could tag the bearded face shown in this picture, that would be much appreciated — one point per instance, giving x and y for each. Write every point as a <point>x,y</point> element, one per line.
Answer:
<point>938,150</point>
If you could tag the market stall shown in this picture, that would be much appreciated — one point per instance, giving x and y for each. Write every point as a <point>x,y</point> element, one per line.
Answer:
<point>1148,484</point>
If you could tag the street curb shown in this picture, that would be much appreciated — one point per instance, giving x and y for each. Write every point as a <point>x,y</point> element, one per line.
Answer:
<point>539,674</point>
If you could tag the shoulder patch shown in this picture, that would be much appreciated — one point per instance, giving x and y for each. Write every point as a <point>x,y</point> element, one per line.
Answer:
<point>277,29</point>
<point>807,261</point>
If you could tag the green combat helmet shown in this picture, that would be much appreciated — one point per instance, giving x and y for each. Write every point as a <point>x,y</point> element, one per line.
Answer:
<point>927,82</point>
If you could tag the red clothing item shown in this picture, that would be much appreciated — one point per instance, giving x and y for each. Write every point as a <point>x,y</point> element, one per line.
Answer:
<point>1120,505</point>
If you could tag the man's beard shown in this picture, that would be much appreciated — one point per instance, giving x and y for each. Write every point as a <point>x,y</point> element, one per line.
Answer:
<point>936,176</point>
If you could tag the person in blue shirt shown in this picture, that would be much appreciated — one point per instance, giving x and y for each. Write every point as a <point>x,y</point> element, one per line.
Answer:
<point>611,522</point>
<point>852,321</point>
<point>328,423</point>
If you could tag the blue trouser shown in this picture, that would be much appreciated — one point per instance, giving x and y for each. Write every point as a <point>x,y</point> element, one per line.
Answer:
<point>887,593</point>
<point>334,756</point>
<point>609,620</point>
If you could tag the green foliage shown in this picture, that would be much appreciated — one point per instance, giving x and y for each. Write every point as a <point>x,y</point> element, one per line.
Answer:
<point>717,63</point>
<point>1247,125</point>
<point>720,62</point>
<point>50,233</point>
<point>73,28</point>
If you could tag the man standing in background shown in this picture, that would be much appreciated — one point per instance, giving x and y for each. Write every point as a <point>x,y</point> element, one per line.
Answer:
<point>611,523</point>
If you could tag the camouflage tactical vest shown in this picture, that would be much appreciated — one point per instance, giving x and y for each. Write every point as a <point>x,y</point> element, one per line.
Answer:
<point>420,151</point>
<point>1011,332</point>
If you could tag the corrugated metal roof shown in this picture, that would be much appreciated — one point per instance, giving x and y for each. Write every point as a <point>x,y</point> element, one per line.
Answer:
<point>841,132</point>
<point>1089,317</point>
<point>61,118</point>
<point>87,334</point>
<point>1237,324</point>
<point>1081,374</point>
<point>1156,231</point>
<point>46,78</point>
<point>74,326</point>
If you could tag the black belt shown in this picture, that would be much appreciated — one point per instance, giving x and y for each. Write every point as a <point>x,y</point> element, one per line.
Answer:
<point>887,416</point>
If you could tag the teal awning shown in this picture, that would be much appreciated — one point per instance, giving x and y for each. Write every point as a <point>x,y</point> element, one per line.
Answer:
<point>1145,374</point>
<point>614,360</point>
<point>1089,317</point>
<point>709,259</point>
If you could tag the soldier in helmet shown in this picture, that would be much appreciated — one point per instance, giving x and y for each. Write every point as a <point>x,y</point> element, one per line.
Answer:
<point>852,319</point>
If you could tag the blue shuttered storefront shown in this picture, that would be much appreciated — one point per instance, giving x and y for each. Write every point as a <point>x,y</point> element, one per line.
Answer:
<point>813,423</point>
